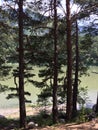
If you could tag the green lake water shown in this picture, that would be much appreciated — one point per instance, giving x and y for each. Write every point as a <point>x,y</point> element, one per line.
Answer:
<point>90,81</point>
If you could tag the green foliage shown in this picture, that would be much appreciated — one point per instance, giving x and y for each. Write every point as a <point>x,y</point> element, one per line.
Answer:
<point>7,45</point>
<point>4,122</point>
<point>83,115</point>
<point>3,88</point>
<point>82,100</point>
<point>83,96</point>
<point>42,119</point>
<point>15,90</point>
<point>9,123</point>
<point>46,85</point>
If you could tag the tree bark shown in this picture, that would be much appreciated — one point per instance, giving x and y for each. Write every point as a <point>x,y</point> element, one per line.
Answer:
<point>21,69</point>
<point>96,109</point>
<point>75,87</point>
<point>55,85</point>
<point>69,62</point>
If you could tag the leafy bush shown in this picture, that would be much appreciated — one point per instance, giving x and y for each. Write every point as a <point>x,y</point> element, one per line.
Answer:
<point>42,119</point>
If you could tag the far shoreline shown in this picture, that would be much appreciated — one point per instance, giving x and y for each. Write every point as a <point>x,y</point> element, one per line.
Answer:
<point>14,112</point>
<point>32,110</point>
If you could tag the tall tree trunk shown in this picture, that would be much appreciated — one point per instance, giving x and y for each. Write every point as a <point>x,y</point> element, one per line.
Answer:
<point>75,87</point>
<point>96,109</point>
<point>21,69</point>
<point>69,62</point>
<point>55,85</point>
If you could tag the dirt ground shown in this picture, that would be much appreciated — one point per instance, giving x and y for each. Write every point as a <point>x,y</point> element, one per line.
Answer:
<point>85,126</point>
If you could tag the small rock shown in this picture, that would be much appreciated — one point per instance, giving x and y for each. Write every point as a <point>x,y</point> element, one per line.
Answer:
<point>36,125</point>
<point>2,117</point>
<point>62,121</point>
<point>31,125</point>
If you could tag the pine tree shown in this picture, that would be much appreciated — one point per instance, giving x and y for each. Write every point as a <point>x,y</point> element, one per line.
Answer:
<point>21,68</point>
<point>55,82</point>
<point>69,61</point>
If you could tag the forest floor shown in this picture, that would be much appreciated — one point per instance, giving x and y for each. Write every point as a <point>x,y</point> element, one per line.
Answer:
<point>71,126</point>
<point>14,113</point>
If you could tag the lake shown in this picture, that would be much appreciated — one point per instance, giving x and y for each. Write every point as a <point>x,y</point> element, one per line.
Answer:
<point>90,81</point>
